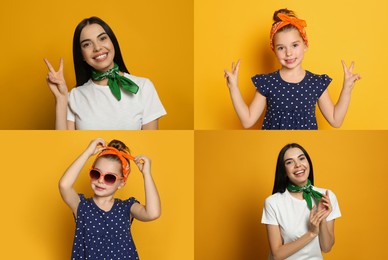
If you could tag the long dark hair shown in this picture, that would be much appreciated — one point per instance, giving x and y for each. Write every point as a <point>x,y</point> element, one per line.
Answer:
<point>281,179</point>
<point>82,69</point>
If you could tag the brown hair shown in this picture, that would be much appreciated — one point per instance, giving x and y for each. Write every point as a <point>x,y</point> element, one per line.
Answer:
<point>287,12</point>
<point>119,146</point>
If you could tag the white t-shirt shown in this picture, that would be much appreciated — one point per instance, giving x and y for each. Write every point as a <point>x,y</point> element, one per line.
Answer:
<point>292,215</point>
<point>93,106</point>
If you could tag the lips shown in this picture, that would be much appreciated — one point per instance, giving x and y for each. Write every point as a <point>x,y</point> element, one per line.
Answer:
<point>299,172</point>
<point>100,57</point>
<point>99,188</point>
<point>290,61</point>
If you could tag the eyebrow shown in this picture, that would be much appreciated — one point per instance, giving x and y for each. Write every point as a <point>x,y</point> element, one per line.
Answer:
<point>277,45</point>
<point>297,157</point>
<point>98,36</point>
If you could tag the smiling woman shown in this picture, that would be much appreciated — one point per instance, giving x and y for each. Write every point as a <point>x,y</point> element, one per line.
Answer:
<point>298,216</point>
<point>107,96</point>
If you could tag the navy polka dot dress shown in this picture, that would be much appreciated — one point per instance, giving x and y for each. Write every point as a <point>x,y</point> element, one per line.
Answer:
<point>291,105</point>
<point>104,235</point>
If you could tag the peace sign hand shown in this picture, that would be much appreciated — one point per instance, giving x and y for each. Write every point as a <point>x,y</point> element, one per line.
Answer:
<point>56,80</point>
<point>232,76</point>
<point>349,78</point>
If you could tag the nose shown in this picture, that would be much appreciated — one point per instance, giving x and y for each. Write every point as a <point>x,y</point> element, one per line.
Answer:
<point>97,47</point>
<point>288,52</point>
<point>101,179</point>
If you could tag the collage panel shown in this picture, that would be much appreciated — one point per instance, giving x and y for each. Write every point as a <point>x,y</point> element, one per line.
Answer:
<point>37,224</point>
<point>156,43</point>
<point>235,173</point>
<point>230,32</point>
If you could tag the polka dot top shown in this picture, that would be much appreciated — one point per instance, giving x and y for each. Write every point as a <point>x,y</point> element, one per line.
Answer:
<point>291,105</point>
<point>104,235</point>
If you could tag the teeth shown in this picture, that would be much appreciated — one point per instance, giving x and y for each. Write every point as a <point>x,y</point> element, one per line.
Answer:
<point>100,57</point>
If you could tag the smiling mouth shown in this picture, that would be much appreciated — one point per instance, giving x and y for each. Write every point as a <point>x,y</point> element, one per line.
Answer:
<point>299,172</point>
<point>290,61</point>
<point>101,57</point>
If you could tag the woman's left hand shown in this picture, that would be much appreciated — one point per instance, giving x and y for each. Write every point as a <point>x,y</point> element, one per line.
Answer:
<point>325,204</point>
<point>349,77</point>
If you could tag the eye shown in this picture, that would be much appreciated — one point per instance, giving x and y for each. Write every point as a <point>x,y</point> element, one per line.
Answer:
<point>85,44</point>
<point>280,48</point>
<point>295,45</point>
<point>104,37</point>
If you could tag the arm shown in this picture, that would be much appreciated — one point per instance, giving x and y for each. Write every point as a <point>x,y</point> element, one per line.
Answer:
<point>279,250</point>
<point>248,115</point>
<point>153,125</point>
<point>326,234</point>
<point>57,85</point>
<point>335,114</point>
<point>69,195</point>
<point>152,209</point>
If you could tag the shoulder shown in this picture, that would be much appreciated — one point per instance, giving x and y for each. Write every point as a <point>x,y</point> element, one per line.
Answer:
<point>140,81</point>
<point>332,195</point>
<point>318,77</point>
<point>275,198</point>
<point>83,88</point>
<point>265,77</point>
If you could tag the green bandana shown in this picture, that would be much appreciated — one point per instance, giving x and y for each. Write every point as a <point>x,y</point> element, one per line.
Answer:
<point>308,192</point>
<point>116,81</point>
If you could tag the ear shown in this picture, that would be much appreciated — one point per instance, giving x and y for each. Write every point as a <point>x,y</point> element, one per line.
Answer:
<point>122,184</point>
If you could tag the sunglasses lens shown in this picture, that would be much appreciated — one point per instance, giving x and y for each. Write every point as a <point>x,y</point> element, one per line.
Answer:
<point>110,179</point>
<point>94,174</point>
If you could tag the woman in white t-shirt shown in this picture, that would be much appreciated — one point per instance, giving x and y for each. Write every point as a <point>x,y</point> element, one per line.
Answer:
<point>299,217</point>
<point>107,96</point>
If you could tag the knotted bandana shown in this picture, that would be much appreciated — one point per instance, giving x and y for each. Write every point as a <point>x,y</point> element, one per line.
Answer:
<point>115,81</point>
<point>286,20</point>
<point>308,192</point>
<point>122,156</point>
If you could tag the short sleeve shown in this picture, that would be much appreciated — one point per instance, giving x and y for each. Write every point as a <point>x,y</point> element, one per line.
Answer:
<point>269,213</point>
<point>70,114</point>
<point>323,82</point>
<point>336,212</point>
<point>261,83</point>
<point>81,205</point>
<point>153,108</point>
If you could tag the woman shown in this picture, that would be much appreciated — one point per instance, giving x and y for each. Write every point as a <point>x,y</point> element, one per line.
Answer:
<point>107,96</point>
<point>299,217</point>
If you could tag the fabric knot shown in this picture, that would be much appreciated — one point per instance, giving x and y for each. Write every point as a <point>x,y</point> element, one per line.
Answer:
<point>115,81</point>
<point>308,192</point>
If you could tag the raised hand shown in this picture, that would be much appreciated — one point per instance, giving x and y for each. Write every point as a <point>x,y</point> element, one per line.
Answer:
<point>325,204</point>
<point>95,146</point>
<point>232,76</point>
<point>56,80</point>
<point>143,163</point>
<point>315,219</point>
<point>349,77</point>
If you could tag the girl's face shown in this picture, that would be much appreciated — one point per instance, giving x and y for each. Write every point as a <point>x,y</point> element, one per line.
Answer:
<point>97,48</point>
<point>289,48</point>
<point>297,166</point>
<point>105,165</point>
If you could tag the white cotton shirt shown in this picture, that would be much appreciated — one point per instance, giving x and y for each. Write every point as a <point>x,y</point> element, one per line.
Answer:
<point>292,215</point>
<point>94,107</point>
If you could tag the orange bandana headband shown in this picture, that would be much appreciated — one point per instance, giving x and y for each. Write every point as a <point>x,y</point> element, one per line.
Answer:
<point>286,20</point>
<point>122,156</point>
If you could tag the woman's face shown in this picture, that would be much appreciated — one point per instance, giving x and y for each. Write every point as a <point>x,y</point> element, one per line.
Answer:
<point>297,166</point>
<point>97,48</point>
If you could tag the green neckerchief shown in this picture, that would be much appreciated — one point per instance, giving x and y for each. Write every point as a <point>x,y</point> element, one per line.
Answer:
<point>115,81</point>
<point>308,192</point>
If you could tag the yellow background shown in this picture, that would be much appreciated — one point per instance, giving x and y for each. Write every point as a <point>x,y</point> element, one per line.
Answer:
<point>155,37</point>
<point>37,224</point>
<point>228,30</point>
<point>234,173</point>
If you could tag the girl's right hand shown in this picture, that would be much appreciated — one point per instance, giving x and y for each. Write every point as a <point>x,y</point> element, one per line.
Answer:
<point>315,219</point>
<point>232,76</point>
<point>95,146</point>
<point>56,80</point>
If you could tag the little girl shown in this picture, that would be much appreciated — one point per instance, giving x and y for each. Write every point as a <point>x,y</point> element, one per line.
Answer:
<point>103,223</point>
<point>107,96</point>
<point>291,93</point>
<point>299,217</point>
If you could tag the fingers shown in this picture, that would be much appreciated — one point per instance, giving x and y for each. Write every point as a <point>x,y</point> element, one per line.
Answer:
<point>61,65</point>
<point>48,64</point>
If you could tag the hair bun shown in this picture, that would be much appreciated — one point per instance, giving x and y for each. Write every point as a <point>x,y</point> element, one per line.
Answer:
<point>119,146</point>
<point>283,11</point>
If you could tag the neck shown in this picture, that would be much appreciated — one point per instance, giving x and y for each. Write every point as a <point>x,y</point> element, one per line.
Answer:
<point>101,200</point>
